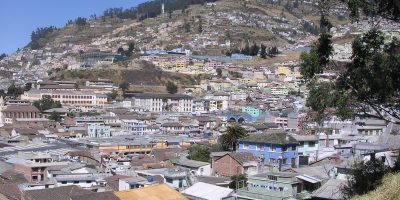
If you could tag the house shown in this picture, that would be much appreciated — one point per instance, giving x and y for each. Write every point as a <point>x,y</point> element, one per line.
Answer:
<point>134,126</point>
<point>207,191</point>
<point>271,186</point>
<point>276,149</point>
<point>308,146</point>
<point>172,128</point>
<point>59,193</point>
<point>99,131</point>
<point>197,168</point>
<point>162,102</point>
<point>174,177</point>
<point>33,165</point>
<point>11,113</point>
<point>156,192</point>
<point>235,163</point>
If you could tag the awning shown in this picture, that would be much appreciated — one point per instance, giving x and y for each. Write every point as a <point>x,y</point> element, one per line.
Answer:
<point>309,179</point>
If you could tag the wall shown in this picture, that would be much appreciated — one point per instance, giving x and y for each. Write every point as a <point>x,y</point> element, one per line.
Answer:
<point>226,166</point>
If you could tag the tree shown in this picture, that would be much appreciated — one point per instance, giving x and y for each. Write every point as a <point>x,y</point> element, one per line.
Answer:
<point>364,177</point>
<point>219,72</point>
<point>81,21</point>
<point>246,49</point>
<point>28,86</point>
<point>263,53</point>
<point>2,56</point>
<point>14,90</point>
<point>171,87</point>
<point>112,95</point>
<point>186,26</point>
<point>124,86</point>
<point>254,50</point>
<point>55,116</point>
<point>238,181</point>
<point>199,153</point>
<point>230,139</point>
<point>367,86</point>
<point>46,103</point>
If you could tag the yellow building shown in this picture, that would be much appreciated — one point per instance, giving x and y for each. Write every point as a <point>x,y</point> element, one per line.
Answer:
<point>284,70</point>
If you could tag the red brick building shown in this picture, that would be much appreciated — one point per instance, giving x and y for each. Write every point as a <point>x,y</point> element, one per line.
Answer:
<point>235,163</point>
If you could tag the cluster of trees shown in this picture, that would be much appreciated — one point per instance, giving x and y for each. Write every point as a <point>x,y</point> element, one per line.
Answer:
<point>129,51</point>
<point>199,153</point>
<point>39,35</point>
<point>254,50</point>
<point>308,27</point>
<point>2,56</point>
<point>46,103</point>
<point>171,87</point>
<point>112,95</point>
<point>81,21</point>
<point>151,9</point>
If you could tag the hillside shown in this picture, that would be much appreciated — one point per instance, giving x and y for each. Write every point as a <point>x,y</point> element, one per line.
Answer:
<point>225,26</point>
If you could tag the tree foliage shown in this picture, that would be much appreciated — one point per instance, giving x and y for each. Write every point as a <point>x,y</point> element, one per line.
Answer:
<point>229,140</point>
<point>40,35</point>
<point>263,53</point>
<point>199,153</point>
<point>171,87</point>
<point>46,103</point>
<point>81,21</point>
<point>368,85</point>
<point>364,177</point>
<point>2,56</point>
<point>238,181</point>
<point>14,90</point>
<point>112,95</point>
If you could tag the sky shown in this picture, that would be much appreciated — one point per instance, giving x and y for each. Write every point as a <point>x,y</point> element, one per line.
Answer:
<point>20,17</point>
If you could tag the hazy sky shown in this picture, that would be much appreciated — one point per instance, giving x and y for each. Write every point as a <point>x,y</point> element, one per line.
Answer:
<point>20,17</point>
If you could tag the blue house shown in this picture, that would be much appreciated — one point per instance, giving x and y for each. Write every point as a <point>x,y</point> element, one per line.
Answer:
<point>275,149</point>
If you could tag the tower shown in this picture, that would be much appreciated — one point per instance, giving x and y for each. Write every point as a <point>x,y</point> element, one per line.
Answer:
<point>2,107</point>
<point>163,9</point>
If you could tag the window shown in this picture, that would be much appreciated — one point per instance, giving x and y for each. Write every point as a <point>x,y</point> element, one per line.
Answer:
<point>76,182</point>
<point>245,146</point>
<point>280,188</point>
<point>63,182</point>
<point>311,144</point>
<point>301,143</point>
<point>260,147</point>
<point>88,181</point>
<point>293,148</point>
<point>272,148</point>
<point>285,161</point>
<point>272,177</point>
<point>272,160</point>
<point>284,148</point>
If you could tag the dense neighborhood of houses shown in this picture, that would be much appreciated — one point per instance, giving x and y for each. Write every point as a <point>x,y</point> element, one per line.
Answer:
<point>140,145</point>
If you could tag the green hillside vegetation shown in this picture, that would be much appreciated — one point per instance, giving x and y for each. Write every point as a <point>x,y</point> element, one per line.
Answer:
<point>388,190</point>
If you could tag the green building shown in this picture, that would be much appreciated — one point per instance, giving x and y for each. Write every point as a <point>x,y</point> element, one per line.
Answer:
<point>271,186</point>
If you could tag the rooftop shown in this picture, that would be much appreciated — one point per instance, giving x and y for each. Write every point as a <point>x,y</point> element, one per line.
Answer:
<point>270,138</point>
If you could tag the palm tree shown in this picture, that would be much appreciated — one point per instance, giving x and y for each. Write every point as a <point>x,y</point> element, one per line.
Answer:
<point>230,139</point>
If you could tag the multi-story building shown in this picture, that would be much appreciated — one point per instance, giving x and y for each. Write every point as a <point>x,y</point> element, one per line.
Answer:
<point>78,99</point>
<point>10,113</point>
<point>97,131</point>
<point>33,165</point>
<point>271,185</point>
<point>136,127</point>
<point>100,83</point>
<point>275,149</point>
<point>163,102</point>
